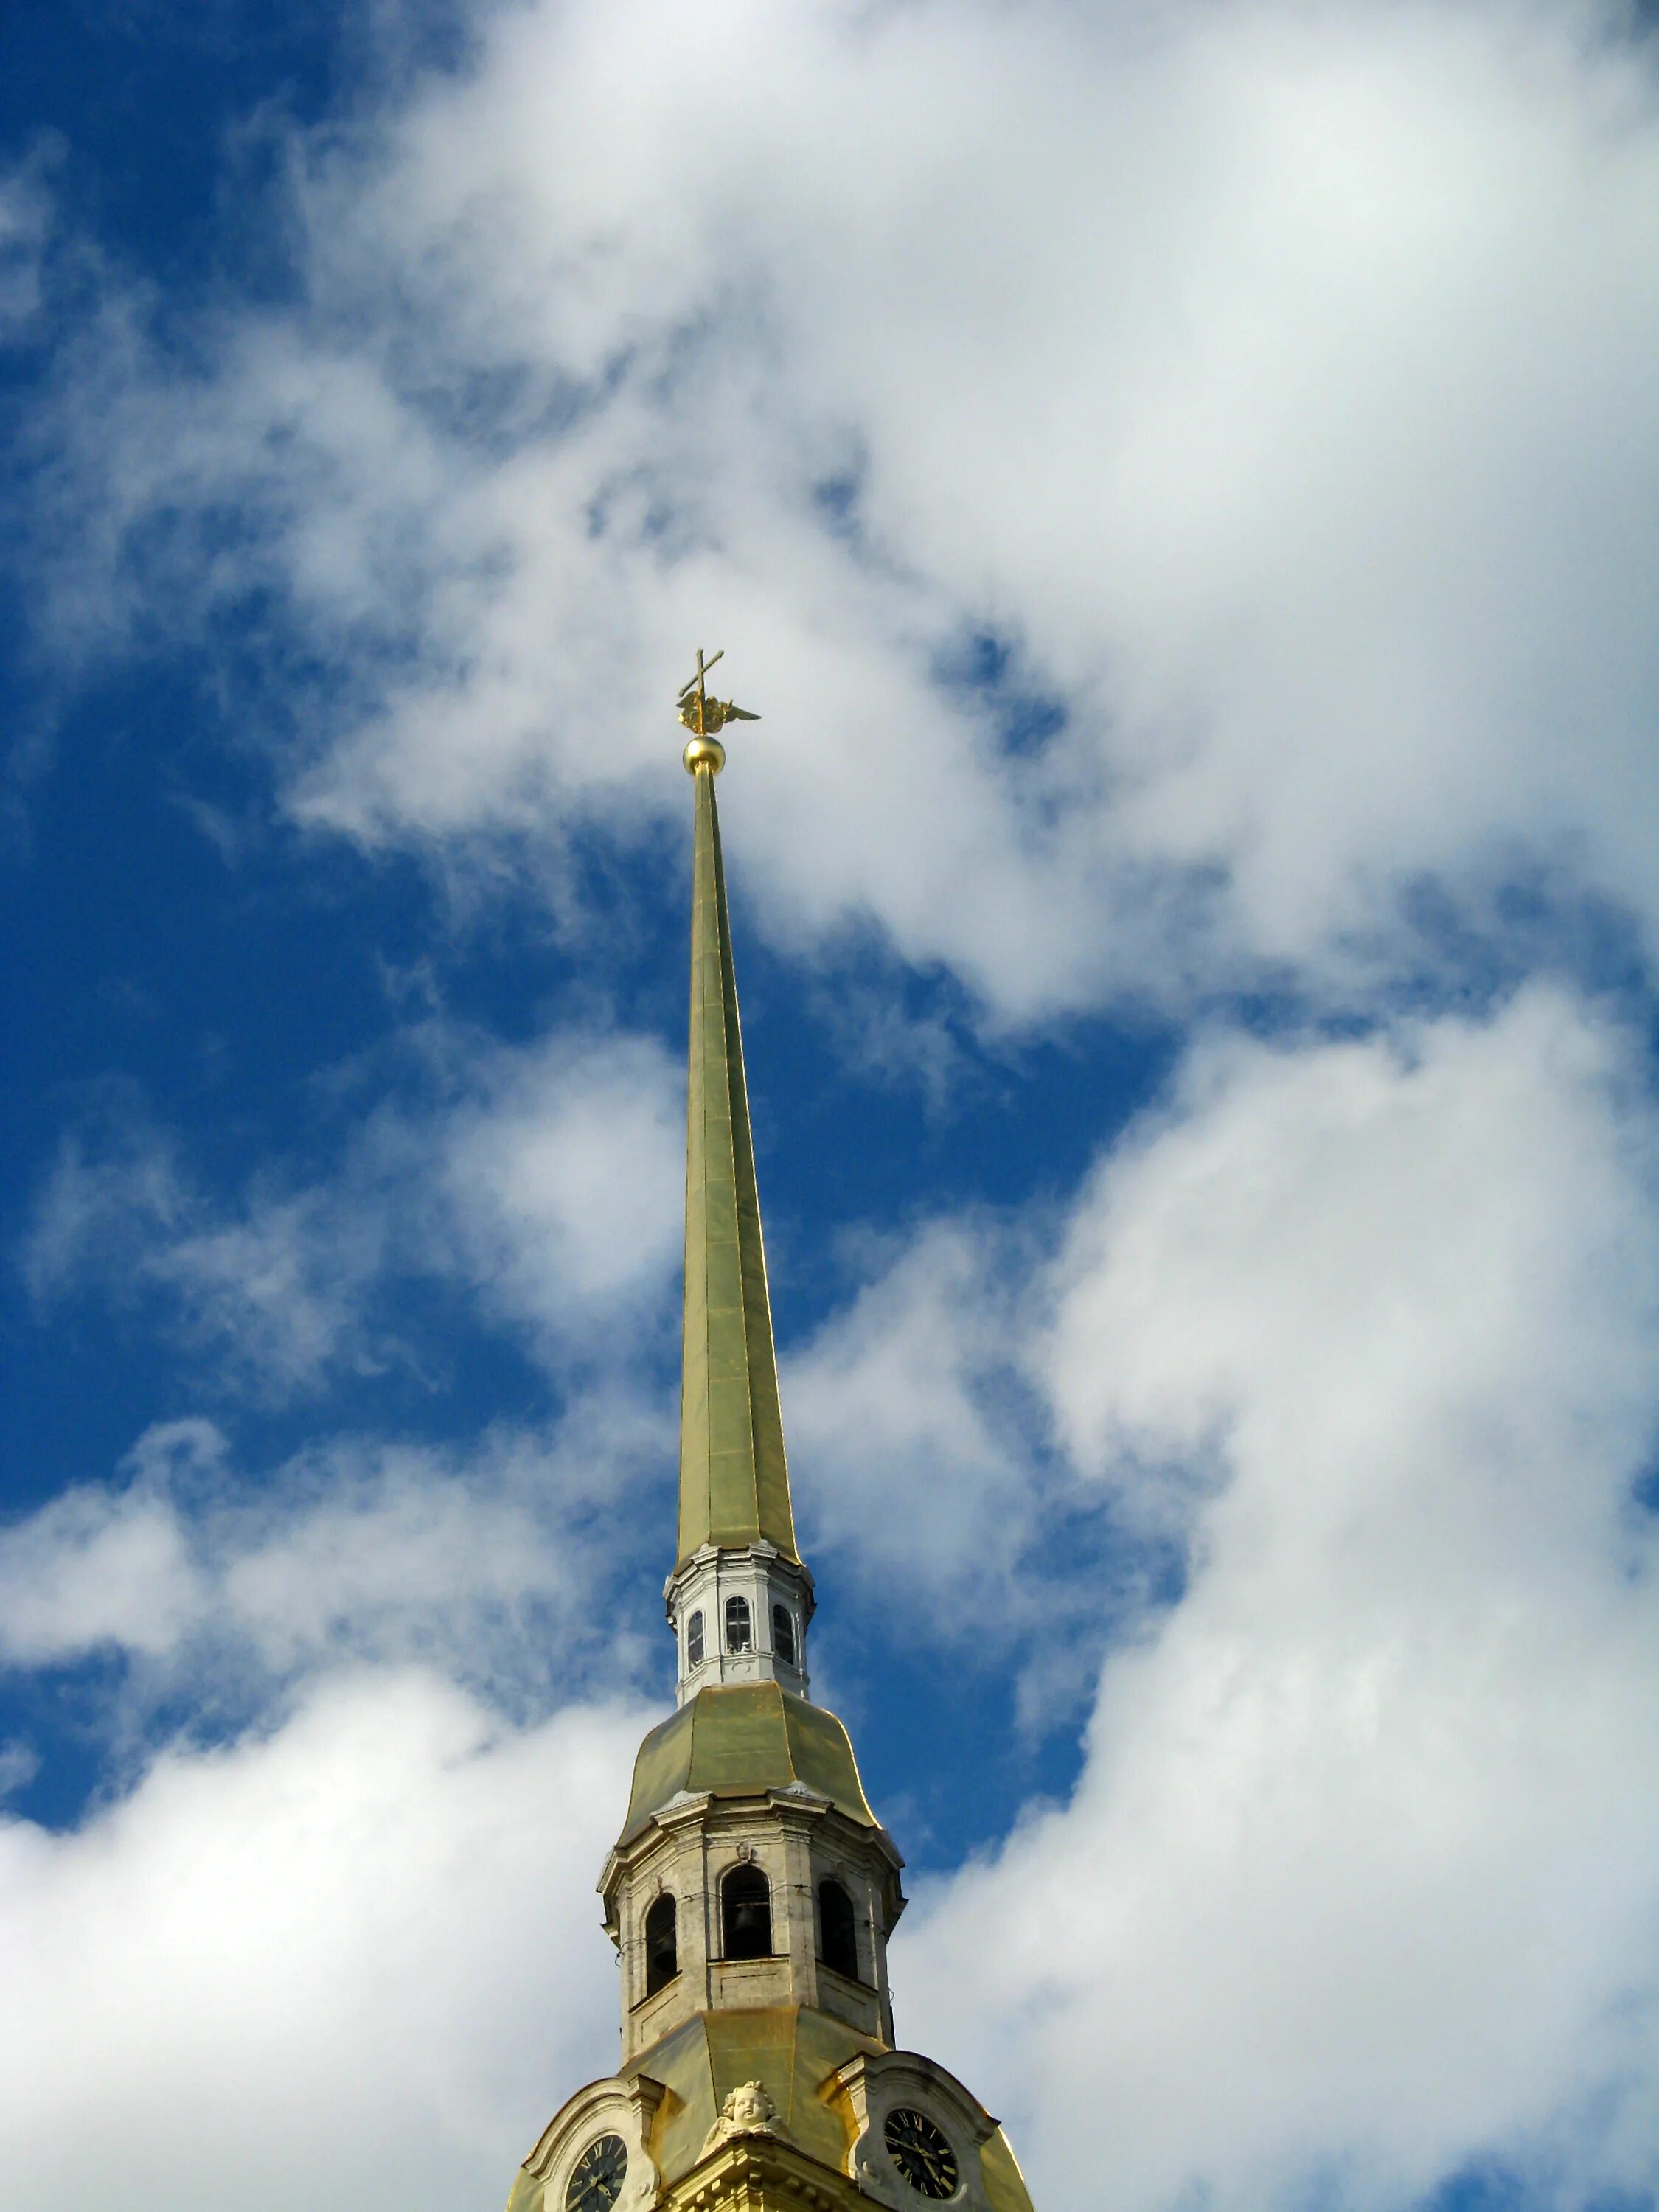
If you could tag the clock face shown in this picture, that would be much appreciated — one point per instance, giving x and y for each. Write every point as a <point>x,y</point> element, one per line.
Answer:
<point>597,2182</point>
<point>921,2153</point>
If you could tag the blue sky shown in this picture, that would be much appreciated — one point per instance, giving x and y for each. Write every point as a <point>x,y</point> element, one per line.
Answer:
<point>1182,491</point>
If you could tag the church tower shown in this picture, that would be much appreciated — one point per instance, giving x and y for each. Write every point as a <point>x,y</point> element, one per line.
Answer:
<point>751,1892</point>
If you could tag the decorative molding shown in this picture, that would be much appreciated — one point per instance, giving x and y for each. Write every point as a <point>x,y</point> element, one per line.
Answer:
<point>756,2174</point>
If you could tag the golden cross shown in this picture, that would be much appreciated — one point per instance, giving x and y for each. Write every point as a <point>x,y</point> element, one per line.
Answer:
<point>703,716</point>
<point>696,685</point>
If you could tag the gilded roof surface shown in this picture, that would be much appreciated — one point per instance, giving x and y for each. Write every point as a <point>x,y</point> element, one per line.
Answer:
<point>794,2053</point>
<point>740,1741</point>
<point>1004,2184</point>
<point>791,2052</point>
<point>734,1479</point>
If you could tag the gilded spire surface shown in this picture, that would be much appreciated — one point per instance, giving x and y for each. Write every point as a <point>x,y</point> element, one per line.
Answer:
<point>751,1892</point>
<point>734,1477</point>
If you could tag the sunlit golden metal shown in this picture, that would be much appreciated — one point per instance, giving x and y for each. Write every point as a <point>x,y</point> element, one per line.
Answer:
<point>703,716</point>
<point>704,752</point>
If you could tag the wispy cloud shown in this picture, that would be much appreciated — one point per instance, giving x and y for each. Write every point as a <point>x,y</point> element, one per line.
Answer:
<point>561,1181</point>
<point>226,1587</point>
<point>1259,403</point>
<point>1355,1882</point>
<point>26,217</point>
<point>545,1179</point>
<point>1366,1331</point>
<point>328,1944</point>
<point>1273,388</point>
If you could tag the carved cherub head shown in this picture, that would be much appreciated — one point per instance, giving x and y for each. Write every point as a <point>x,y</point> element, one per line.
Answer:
<point>749,2107</point>
<point>747,2111</point>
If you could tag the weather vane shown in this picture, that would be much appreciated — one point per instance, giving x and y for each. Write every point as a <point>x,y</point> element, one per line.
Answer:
<point>704,716</point>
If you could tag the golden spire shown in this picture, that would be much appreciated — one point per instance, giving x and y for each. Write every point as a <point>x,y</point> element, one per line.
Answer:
<point>734,1477</point>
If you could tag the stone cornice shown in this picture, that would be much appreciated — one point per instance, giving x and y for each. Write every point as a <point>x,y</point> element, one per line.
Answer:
<point>796,1810</point>
<point>763,2173</point>
<point>761,1553</point>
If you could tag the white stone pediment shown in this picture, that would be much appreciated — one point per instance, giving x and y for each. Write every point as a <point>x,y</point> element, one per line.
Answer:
<point>878,2083</point>
<point>624,2105</point>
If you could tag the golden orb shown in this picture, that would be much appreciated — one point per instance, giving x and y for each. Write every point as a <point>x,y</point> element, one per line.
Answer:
<point>705,752</point>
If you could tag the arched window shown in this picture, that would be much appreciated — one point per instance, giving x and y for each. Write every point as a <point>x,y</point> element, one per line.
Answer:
<point>662,1958</point>
<point>746,1914</point>
<point>837,1939</point>
<point>693,1641</point>
<point>737,1624</point>
<point>783,1635</point>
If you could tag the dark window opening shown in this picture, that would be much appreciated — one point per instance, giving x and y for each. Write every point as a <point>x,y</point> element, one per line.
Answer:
<point>746,1914</point>
<point>837,1938</point>
<point>783,1635</point>
<point>693,1641</point>
<point>737,1624</point>
<point>662,1961</point>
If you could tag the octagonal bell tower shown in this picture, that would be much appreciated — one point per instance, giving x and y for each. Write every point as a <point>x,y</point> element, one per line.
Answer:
<point>751,1890</point>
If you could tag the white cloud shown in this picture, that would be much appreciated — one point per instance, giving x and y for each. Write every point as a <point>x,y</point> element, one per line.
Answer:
<point>19,1765</point>
<point>357,1958</point>
<point>927,1491</point>
<point>1276,380</point>
<point>352,1949</point>
<point>92,1568</point>
<point>892,1407</point>
<point>95,1198</point>
<point>26,216</point>
<point>547,1177</point>
<point>339,1937</point>
<point>273,1286</point>
<point>495,1563</point>
<point>564,1181</point>
<point>1358,1883</point>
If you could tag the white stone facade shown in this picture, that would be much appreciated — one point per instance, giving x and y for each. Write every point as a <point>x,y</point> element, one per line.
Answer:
<point>739,1616</point>
<point>798,1841</point>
